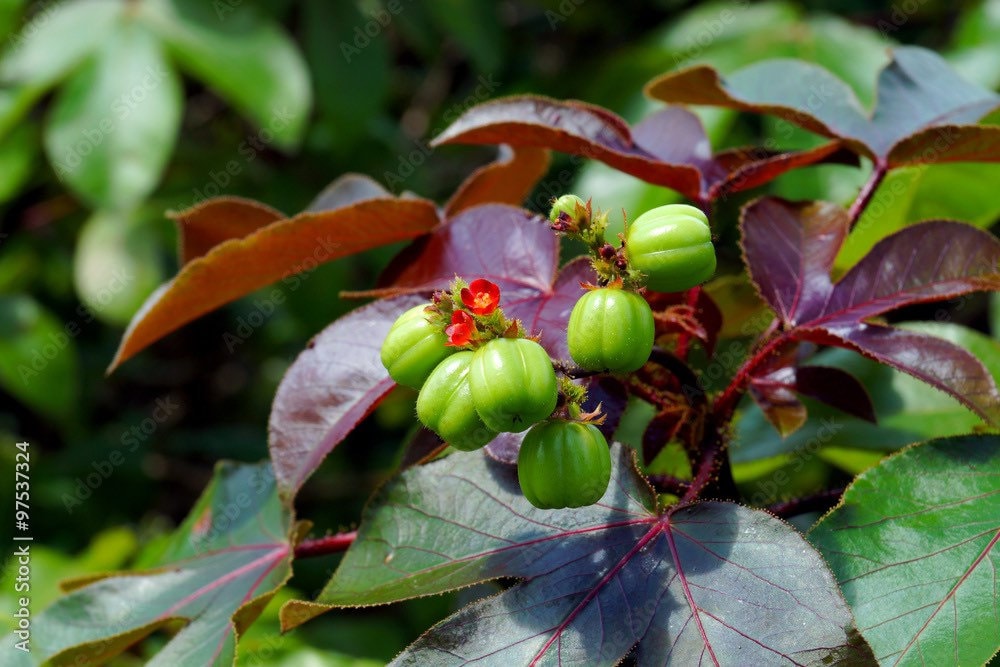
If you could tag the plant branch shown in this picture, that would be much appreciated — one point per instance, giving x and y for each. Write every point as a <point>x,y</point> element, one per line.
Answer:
<point>571,371</point>
<point>817,502</point>
<point>322,546</point>
<point>684,338</point>
<point>867,193</point>
<point>725,404</point>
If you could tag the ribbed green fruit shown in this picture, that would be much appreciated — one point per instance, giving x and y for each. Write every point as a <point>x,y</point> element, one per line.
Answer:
<point>610,330</point>
<point>563,464</point>
<point>445,405</point>
<point>513,384</point>
<point>672,245</point>
<point>413,348</point>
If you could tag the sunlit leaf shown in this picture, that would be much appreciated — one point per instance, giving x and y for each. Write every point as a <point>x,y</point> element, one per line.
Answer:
<point>915,548</point>
<point>285,247</point>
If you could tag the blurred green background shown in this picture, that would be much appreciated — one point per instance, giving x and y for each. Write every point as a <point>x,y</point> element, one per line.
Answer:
<point>113,112</point>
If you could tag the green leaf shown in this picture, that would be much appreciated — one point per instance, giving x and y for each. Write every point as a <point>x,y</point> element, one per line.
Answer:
<point>474,24</point>
<point>224,563</point>
<point>57,39</point>
<point>10,13</point>
<point>117,265</point>
<point>915,548</point>
<point>18,153</point>
<point>600,582</point>
<point>247,59</point>
<point>114,124</point>
<point>907,409</point>
<point>14,104</point>
<point>343,57</point>
<point>38,362</point>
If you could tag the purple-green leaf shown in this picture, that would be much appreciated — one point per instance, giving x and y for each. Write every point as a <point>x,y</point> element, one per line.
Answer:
<point>669,148</point>
<point>713,582</point>
<point>917,91</point>
<point>333,384</point>
<point>218,572</point>
<point>789,250</point>
<point>916,547</point>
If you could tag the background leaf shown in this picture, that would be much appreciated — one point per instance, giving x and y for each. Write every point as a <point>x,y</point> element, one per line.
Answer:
<point>914,546</point>
<point>219,570</point>
<point>115,122</point>
<point>116,266</point>
<point>38,357</point>
<point>698,582</point>
<point>246,59</point>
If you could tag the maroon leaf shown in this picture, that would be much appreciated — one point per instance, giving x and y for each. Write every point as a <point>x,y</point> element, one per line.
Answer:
<point>664,427</point>
<point>789,249</point>
<point>508,180</point>
<point>836,388</point>
<point>948,143</point>
<point>509,246</point>
<point>669,148</point>
<point>611,395</point>
<point>547,313</point>
<point>201,228</point>
<point>916,91</point>
<point>775,394</point>
<point>333,384</point>
<point>505,447</point>
<point>423,446</point>
<point>674,314</point>
<point>930,261</point>
<point>935,361</point>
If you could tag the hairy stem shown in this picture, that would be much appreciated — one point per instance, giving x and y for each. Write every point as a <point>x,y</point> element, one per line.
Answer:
<point>725,404</point>
<point>322,546</point>
<point>684,339</point>
<point>867,192</point>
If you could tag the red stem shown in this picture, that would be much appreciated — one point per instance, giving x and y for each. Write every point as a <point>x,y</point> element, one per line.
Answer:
<point>321,546</point>
<point>684,339</point>
<point>867,192</point>
<point>725,405</point>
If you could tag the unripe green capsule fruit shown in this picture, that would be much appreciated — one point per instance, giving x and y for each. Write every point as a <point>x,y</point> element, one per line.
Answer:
<point>563,464</point>
<point>513,384</point>
<point>445,405</point>
<point>413,347</point>
<point>672,245</point>
<point>566,204</point>
<point>610,329</point>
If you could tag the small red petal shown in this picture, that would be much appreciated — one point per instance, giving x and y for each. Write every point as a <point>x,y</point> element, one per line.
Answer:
<point>481,297</point>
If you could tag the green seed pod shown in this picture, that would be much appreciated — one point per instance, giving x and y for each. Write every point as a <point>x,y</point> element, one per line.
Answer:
<point>513,384</point>
<point>672,245</point>
<point>563,464</point>
<point>610,329</point>
<point>568,204</point>
<point>445,405</point>
<point>413,348</point>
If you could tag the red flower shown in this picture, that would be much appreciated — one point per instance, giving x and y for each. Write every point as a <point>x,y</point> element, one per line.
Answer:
<point>461,329</point>
<point>481,297</point>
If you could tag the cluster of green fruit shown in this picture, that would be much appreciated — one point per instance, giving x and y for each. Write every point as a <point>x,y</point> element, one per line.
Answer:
<point>478,375</point>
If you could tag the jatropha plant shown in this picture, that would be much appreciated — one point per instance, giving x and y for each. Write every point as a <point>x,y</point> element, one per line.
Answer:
<point>649,552</point>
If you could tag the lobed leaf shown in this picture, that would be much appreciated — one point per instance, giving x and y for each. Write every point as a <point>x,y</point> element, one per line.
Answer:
<point>332,385</point>
<point>218,572</point>
<point>914,545</point>
<point>238,266</point>
<point>669,148</point>
<point>711,582</point>
<point>917,91</point>
<point>790,249</point>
